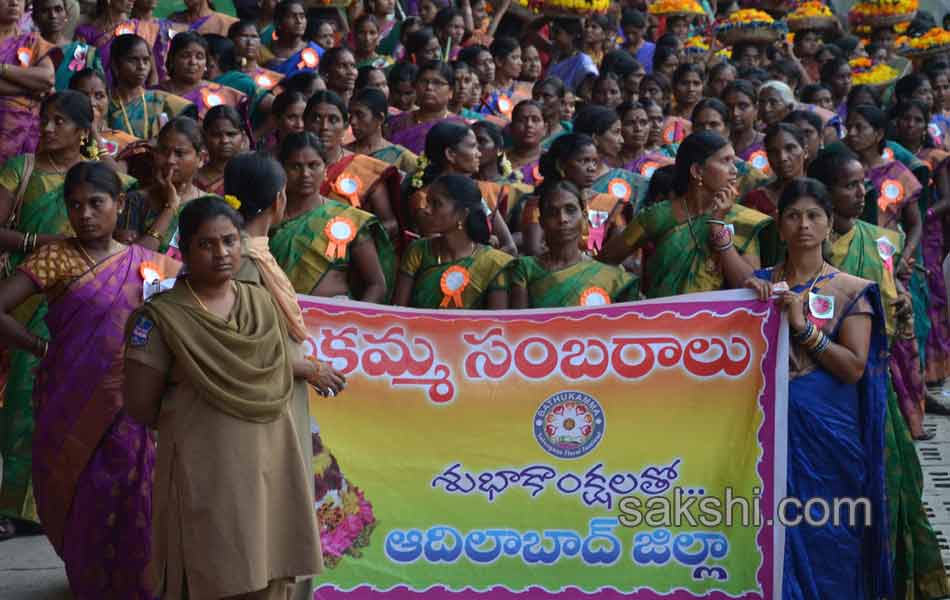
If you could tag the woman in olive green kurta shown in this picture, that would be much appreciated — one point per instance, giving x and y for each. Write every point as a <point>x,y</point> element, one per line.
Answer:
<point>208,365</point>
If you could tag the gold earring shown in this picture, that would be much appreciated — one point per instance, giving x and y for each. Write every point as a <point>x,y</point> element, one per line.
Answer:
<point>700,182</point>
<point>459,226</point>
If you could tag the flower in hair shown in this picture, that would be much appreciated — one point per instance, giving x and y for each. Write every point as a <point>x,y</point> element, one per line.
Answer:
<point>232,201</point>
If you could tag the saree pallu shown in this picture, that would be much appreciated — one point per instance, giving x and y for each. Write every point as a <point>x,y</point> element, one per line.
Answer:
<point>675,129</point>
<point>72,58</point>
<point>217,23</point>
<point>20,115</point>
<point>144,116</point>
<point>155,33</point>
<point>207,95</point>
<point>212,186</point>
<point>588,283</point>
<point>836,438</point>
<point>92,463</point>
<point>574,70</point>
<point>302,246</point>
<point>305,59</point>
<point>399,157</point>
<point>630,188</point>
<point>404,131</point>
<point>762,200</point>
<point>938,342</point>
<point>530,174</point>
<point>353,178</point>
<point>682,261</point>
<point>647,163</point>
<point>488,270</point>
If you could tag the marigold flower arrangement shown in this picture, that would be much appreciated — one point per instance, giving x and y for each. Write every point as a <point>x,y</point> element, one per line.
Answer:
<point>751,25</point>
<point>811,9</point>
<point>885,7</point>
<point>560,7</point>
<point>673,7</point>
<point>866,73</point>
<point>932,39</point>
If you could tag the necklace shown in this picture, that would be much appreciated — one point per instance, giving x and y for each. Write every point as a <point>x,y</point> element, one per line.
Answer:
<point>52,163</point>
<point>128,123</point>
<point>438,253</point>
<point>195,296</point>
<point>814,279</point>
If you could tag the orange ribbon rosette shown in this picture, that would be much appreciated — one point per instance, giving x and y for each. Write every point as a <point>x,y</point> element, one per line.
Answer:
<point>536,174</point>
<point>595,296</point>
<point>669,133</point>
<point>150,272</point>
<point>648,168</point>
<point>888,154</point>
<point>505,105</point>
<point>340,231</point>
<point>760,160</point>
<point>25,56</point>
<point>454,281</point>
<point>309,59</point>
<point>264,81</point>
<point>891,194</point>
<point>210,97</point>
<point>620,189</point>
<point>349,186</point>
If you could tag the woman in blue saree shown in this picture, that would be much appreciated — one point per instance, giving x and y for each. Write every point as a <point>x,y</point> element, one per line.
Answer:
<point>836,408</point>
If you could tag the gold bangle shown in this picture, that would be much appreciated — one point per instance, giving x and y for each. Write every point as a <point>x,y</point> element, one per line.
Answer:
<point>154,234</point>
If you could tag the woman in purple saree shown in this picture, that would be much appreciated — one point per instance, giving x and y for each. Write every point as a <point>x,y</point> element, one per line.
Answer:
<point>92,464</point>
<point>434,85</point>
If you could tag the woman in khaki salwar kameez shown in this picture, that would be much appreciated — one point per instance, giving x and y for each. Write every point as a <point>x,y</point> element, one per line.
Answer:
<point>208,365</point>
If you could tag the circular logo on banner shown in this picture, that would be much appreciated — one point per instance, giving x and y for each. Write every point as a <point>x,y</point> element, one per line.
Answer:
<point>569,425</point>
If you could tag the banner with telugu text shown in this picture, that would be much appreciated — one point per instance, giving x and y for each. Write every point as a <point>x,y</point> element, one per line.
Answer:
<point>549,453</point>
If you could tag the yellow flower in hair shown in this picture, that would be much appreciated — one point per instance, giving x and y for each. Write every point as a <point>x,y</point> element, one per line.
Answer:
<point>232,201</point>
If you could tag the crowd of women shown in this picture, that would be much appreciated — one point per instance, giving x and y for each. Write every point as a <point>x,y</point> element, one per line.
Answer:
<point>460,156</point>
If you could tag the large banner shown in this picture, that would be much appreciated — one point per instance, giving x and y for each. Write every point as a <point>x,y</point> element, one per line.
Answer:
<point>631,450</point>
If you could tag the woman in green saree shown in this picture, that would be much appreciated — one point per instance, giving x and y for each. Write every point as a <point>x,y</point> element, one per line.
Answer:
<point>150,218</point>
<point>871,252</point>
<point>328,248</point>
<point>368,111</point>
<point>33,212</point>
<point>703,240</point>
<point>453,266</point>
<point>133,109</point>
<point>564,275</point>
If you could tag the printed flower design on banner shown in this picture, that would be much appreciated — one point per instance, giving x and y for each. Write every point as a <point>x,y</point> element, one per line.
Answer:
<point>454,281</point>
<point>674,7</point>
<point>25,56</point>
<point>309,59</point>
<point>78,62</point>
<point>891,194</point>
<point>887,251</point>
<point>595,296</point>
<point>620,189</point>
<point>760,160</point>
<point>569,424</point>
<point>340,231</point>
<point>350,187</point>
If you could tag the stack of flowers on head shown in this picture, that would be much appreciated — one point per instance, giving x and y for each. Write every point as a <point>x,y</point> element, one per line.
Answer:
<point>880,13</point>
<point>696,44</point>
<point>811,15</point>
<point>865,72</point>
<point>561,7</point>
<point>933,39</point>
<point>667,8</point>
<point>750,25</point>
